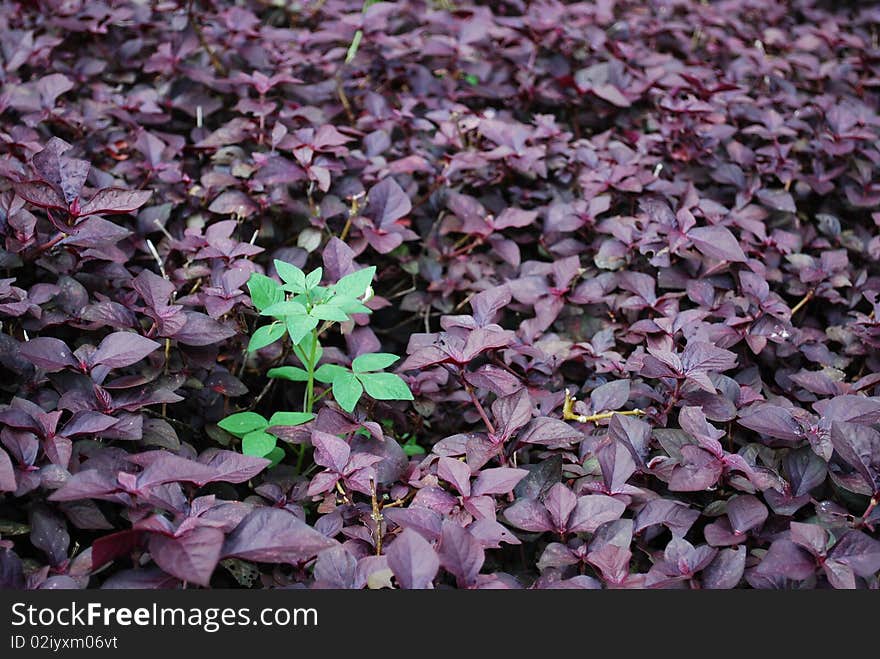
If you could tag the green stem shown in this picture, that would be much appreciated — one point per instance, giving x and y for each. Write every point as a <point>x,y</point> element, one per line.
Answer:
<point>300,459</point>
<point>309,402</point>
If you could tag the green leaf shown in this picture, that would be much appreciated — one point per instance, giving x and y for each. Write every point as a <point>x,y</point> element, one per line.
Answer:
<point>299,326</point>
<point>291,275</point>
<point>329,312</point>
<point>275,456</point>
<point>327,373</point>
<point>290,418</point>
<point>242,423</point>
<point>347,391</point>
<point>385,386</point>
<point>349,305</point>
<point>257,443</point>
<point>314,278</point>
<point>292,373</point>
<point>355,284</point>
<point>265,335</point>
<point>411,448</point>
<point>288,308</point>
<point>374,361</point>
<point>265,291</point>
<point>320,294</point>
<point>472,79</point>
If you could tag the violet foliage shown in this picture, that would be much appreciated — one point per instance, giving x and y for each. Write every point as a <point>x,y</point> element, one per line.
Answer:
<point>629,251</point>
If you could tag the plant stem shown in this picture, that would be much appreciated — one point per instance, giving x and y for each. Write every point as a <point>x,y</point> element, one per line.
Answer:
<point>57,238</point>
<point>309,398</point>
<point>310,383</point>
<point>480,410</point>
<point>800,305</point>
<point>875,501</point>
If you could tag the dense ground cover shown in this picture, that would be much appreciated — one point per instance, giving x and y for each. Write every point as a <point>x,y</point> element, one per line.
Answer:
<point>667,209</point>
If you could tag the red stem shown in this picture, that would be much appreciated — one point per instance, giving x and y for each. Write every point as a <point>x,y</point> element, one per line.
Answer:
<point>51,243</point>
<point>480,409</point>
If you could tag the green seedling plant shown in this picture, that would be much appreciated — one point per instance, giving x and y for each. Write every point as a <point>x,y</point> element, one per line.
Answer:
<point>301,310</point>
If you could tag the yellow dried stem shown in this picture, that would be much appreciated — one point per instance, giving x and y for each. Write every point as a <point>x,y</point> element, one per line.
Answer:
<point>569,415</point>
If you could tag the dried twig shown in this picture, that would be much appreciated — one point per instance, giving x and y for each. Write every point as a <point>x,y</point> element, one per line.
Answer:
<point>806,298</point>
<point>200,35</point>
<point>569,415</point>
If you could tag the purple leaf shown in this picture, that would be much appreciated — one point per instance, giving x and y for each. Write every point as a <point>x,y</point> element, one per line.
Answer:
<point>272,535</point>
<point>617,465</point>
<point>460,553</point>
<point>675,515</point>
<point>163,467</point>
<point>560,501</point>
<point>499,480</point>
<point>859,446</point>
<point>51,355</point>
<point>592,511</point>
<point>610,396</point>
<point>699,471</point>
<point>786,559</point>
<point>335,568</point>
<point>190,557</point>
<point>413,561</point>
<point>717,242</point>
<point>457,473</point>
<point>773,421</point>
<point>201,330</point>
<point>7,473</point>
<point>745,512</point>
<point>40,194</point>
<point>859,551</point>
<point>424,520</point>
<point>387,203</point>
<point>330,451</point>
<point>726,569</point>
<point>115,201</point>
<point>122,349</point>
<point>529,515</point>
<point>232,467</point>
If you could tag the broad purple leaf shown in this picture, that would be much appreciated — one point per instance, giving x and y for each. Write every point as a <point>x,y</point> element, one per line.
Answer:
<point>413,560</point>
<point>592,511</point>
<point>190,557</point>
<point>529,515</point>
<point>773,421</point>
<point>115,201</point>
<point>387,203</point>
<point>335,567</point>
<point>859,551</point>
<point>560,501</point>
<point>745,512</point>
<point>232,467</point>
<point>717,242</point>
<point>51,355</point>
<point>726,569</point>
<point>330,451</point>
<point>675,515</point>
<point>859,446</point>
<point>7,473</point>
<point>499,480</point>
<point>460,553</point>
<point>273,535</point>
<point>121,349</point>
<point>49,534</point>
<point>786,559</point>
